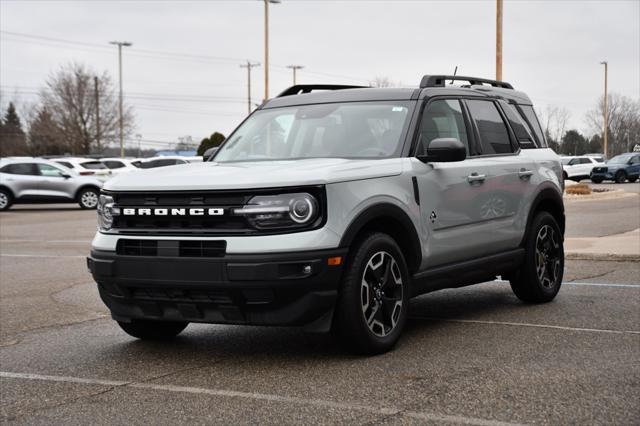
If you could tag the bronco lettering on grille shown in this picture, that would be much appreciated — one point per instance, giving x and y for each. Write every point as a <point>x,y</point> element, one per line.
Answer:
<point>172,212</point>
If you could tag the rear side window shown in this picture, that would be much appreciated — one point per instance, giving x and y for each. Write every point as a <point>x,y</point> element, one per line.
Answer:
<point>494,136</point>
<point>112,164</point>
<point>529,115</point>
<point>93,165</point>
<point>20,169</point>
<point>66,164</point>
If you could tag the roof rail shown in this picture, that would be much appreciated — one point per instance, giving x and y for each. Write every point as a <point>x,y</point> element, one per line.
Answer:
<point>308,88</point>
<point>439,81</point>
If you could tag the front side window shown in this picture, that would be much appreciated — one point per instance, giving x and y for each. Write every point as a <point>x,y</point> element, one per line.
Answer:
<point>336,130</point>
<point>50,171</point>
<point>494,136</point>
<point>442,119</point>
<point>20,169</point>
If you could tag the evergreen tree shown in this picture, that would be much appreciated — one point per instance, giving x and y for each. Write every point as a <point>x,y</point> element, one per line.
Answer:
<point>13,141</point>
<point>214,140</point>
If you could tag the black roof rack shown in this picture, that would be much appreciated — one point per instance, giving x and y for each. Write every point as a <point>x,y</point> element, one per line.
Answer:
<point>439,81</point>
<point>308,88</point>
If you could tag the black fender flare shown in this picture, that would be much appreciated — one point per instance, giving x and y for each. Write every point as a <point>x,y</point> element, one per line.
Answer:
<point>548,194</point>
<point>401,218</point>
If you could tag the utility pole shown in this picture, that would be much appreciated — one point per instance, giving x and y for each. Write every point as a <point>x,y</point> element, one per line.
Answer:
<point>606,107</point>
<point>266,46</point>
<point>295,68</point>
<point>248,66</point>
<point>97,96</point>
<point>120,44</point>
<point>499,40</point>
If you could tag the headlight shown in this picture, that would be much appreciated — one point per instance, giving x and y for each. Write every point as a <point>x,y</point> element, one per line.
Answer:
<point>106,212</point>
<point>281,211</point>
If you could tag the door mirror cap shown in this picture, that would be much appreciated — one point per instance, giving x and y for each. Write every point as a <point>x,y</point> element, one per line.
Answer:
<point>444,150</point>
<point>66,176</point>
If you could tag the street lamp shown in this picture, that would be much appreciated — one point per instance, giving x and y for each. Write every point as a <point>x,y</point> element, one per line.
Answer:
<point>266,46</point>
<point>295,68</point>
<point>606,106</point>
<point>120,44</point>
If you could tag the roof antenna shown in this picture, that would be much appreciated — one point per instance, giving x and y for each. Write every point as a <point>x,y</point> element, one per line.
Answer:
<point>455,71</point>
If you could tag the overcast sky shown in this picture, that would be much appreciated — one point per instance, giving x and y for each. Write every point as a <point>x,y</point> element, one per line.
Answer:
<point>552,50</point>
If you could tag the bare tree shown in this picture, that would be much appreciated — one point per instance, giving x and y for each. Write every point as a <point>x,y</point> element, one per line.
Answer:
<point>382,82</point>
<point>624,122</point>
<point>70,99</point>
<point>554,122</point>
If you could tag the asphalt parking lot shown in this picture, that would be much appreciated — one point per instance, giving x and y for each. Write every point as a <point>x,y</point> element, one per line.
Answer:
<point>469,356</point>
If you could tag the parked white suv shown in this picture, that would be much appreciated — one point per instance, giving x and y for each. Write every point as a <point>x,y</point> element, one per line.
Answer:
<point>332,209</point>
<point>578,168</point>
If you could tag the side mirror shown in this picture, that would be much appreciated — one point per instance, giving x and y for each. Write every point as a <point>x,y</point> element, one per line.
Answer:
<point>442,150</point>
<point>209,153</point>
<point>66,176</point>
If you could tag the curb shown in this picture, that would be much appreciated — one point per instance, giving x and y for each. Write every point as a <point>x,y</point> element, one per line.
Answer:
<point>602,256</point>
<point>616,193</point>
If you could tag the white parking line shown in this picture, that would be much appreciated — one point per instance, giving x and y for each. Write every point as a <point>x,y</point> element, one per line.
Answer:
<point>587,284</point>
<point>526,324</point>
<point>322,403</point>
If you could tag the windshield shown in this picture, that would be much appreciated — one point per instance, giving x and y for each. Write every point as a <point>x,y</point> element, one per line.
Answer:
<point>620,159</point>
<point>565,161</point>
<point>337,130</point>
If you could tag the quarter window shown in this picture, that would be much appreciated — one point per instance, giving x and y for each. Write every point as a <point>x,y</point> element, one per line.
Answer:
<point>442,119</point>
<point>112,164</point>
<point>494,136</point>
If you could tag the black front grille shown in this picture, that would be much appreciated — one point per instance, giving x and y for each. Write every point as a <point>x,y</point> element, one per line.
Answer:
<point>171,248</point>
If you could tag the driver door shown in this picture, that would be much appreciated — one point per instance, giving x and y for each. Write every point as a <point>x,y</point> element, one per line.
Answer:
<point>54,182</point>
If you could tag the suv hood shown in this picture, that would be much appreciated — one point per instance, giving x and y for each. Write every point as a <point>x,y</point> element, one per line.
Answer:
<point>260,174</point>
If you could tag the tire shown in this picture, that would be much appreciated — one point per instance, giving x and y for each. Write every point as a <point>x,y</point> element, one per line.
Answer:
<point>621,177</point>
<point>153,330</point>
<point>565,176</point>
<point>373,302</point>
<point>6,199</point>
<point>88,198</point>
<point>596,180</point>
<point>632,179</point>
<point>544,245</point>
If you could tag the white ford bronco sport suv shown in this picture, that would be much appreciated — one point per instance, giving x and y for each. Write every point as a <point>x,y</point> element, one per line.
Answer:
<point>331,206</point>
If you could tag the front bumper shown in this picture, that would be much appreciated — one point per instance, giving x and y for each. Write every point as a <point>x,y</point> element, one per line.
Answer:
<point>265,289</point>
<point>602,175</point>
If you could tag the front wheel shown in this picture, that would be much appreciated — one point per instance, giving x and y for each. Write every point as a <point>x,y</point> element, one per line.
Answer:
<point>621,177</point>
<point>596,180</point>
<point>88,198</point>
<point>5,199</point>
<point>539,278</point>
<point>153,330</point>
<point>374,298</point>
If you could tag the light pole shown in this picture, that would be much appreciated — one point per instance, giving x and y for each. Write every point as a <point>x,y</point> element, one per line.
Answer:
<point>606,107</point>
<point>120,44</point>
<point>139,138</point>
<point>248,66</point>
<point>266,46</point>
<point>499,40</point>
<point>295,68</point>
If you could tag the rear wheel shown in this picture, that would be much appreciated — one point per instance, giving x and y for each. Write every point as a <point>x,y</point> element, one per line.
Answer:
<point>540,276</point>
<point>153,330</point>
<point>5,199</point>
<point>374,298</point>
<point>621,177</point>
<point>88,198</point>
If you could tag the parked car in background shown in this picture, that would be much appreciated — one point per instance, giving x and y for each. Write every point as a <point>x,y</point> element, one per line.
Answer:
<point>619,169</point>
<point>153,162</point>
<point>598,157</point>
<point>85,167</point>
<point>35,180</point>
<point>578,168</point>
<point>120,165</point>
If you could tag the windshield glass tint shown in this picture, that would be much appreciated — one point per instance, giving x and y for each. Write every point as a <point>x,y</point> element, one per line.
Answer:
<point>338,130</point>
<point>620,159</point>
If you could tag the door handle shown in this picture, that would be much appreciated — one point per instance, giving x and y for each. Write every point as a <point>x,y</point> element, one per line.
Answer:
<point>476,178</point>
<point>525,174</point>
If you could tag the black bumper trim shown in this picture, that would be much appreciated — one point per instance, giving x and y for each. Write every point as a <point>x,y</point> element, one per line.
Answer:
<point>257,289</point>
